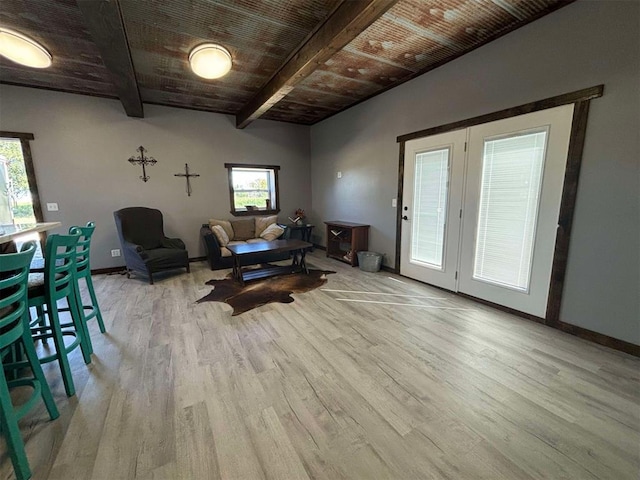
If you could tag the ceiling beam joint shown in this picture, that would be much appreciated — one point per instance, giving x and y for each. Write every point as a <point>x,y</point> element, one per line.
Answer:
<point>339,29</point>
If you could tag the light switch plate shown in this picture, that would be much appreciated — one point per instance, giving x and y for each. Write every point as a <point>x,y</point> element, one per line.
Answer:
<point>115,252</point>
<point>394,202</point>
<point>52,207</point>
<point>339,174</point>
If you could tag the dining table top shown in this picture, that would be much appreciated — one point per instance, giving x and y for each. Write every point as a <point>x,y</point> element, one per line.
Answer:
<point>9,233</point>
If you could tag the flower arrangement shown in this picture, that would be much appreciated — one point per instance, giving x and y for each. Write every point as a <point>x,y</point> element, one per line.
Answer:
<point>298,216</point>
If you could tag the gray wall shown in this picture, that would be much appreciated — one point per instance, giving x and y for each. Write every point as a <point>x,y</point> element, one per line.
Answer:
<point>579,46</point>
<point>82,145</point>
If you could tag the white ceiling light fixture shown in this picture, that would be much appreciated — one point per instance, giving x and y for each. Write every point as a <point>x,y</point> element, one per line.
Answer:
<point>23,50</point>
<point>210,61</point>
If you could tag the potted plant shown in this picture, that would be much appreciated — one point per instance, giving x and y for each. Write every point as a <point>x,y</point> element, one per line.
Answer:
<point>298,217</point>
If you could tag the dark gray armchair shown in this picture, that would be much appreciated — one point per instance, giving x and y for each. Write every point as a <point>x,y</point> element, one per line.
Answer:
<point>144,245</point>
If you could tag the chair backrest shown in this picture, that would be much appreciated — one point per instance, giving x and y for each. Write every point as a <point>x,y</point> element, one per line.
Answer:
<point>60,265</point>
<point>84,245</point>
<point>14,277</point>
<point>140,225</point>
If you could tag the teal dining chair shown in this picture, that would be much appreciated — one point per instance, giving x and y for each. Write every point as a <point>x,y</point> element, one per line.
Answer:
<point>83,271</point>
<point>14,331</point>
<point>45,291</point>
<point>91,309</point>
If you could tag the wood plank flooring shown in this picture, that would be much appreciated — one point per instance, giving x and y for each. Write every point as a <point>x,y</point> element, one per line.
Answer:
<point>372,376</point>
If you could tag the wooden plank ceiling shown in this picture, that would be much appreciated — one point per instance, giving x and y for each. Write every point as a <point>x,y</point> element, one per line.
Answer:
<point>297,61</point>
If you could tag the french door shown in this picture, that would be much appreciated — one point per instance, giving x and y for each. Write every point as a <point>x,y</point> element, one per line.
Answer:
<point>480,208</point>
<point>434,173</point>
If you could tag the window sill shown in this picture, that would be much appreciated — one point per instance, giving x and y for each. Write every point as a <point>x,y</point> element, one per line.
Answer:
<point>254,213</point>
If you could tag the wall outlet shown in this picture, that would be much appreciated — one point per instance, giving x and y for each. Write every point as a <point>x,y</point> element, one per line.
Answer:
<point>52,207</point>
<point>115,252</point>
<point>339,174</point>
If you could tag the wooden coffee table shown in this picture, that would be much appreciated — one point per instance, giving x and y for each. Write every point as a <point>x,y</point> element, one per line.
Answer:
<point>297,247</point>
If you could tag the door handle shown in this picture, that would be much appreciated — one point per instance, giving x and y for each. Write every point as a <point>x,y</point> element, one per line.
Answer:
<point>405,218</point>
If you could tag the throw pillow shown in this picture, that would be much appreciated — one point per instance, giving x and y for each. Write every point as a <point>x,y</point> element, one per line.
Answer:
<point>272,232</point>
<point>224,224</point>
<point>264,222</point>
<point>221,235</point>
<point>243,229</point>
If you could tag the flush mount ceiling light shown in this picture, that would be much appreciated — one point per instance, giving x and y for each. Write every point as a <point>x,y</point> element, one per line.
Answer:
<point>210,61</point>
<point>23,50</point>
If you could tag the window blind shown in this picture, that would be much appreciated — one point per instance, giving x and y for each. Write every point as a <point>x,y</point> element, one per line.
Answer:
<point>430,206</point>
<point>508,211</point>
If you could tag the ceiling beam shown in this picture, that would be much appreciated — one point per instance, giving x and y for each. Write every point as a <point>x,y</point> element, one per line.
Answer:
<point>103,19</point>
<point>343,25</point>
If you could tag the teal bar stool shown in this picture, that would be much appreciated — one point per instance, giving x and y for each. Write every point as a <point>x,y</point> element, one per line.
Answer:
<point>14,331</point>
<point>59,282</point>
<point>84,272</point>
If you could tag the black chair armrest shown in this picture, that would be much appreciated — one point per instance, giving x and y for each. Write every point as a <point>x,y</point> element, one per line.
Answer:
<point>173,243</point>
<point>211,244</point>
<point>134,249</point>
<point>286,235</point>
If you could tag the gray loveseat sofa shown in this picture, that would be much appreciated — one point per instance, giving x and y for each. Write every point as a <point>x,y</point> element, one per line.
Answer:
<point>218,233</point>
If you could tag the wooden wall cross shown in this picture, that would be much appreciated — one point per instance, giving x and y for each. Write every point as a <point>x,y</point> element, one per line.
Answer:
<point>187,175</point>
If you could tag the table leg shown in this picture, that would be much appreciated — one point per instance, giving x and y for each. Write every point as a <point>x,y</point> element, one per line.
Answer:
<point>303,264</point>
<point>237,270</point>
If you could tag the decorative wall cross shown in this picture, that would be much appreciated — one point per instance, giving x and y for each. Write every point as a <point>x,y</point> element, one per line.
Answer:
<point>144,161</point>
<point>187,175</point>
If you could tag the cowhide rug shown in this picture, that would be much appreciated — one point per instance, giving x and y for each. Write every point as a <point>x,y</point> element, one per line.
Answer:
<point>260,292</point>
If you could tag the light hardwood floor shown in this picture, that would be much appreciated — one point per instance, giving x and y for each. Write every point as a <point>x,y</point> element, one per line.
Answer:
<point>405,382</point>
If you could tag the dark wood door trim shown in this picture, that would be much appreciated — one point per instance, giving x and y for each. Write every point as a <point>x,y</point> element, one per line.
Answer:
<point>581,100</point>
<point>551,102</point>
<point>567,205</point>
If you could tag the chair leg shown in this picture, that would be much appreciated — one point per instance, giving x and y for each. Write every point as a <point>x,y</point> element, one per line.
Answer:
<point>150,278</point>
<point>94,302</point>
<point>82,329</point>
<point>13,357</point>
<point>36,368</point>
<point>42,323</point>
<point>9,426</point>
<point>188,267</point>
<point>63,361</point>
